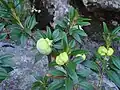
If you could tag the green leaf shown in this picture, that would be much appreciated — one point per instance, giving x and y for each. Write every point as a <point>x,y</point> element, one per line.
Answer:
<point>116,61</point>
<point>52,64</point>
<point>68,84</point>
<point>15,32</point>
<point>42,79</point>
<point>4,14</point>
<point>6,60</point>
<point>61,23</point>
<point>70,68</point>
<point>114,77</point>
<point>8,69</point>
<point>76,30</point>
<point>18,5</point>
<point>116,30</point>
<point>14,27</point>
<point>26,24</point>
<point>85,72</point>
<point>86,86</point>
<point>11,4</point>
<point>58,46</point>
<point>78,51</point>
<point>71,13</point>
<point>90,64</point>
<point>55,85</point>
<point>5,4</point>
<point>77,37</point>
<point>3,36</point>
<point>30,22</point>
<point>65,43</point>
<point>115,69</point>
<point>56,73</point>
<point>3,74</point>
<point>61,69</point>
<point>72,43</point>
<point>83,23</point>
<point>73,30</point>
<point>117,38</point>
<point>37,86</point>
<point>41,83</point>
<point>27,30</point>
<point>5,56</point>
<point>40,34</point>
<point>105,28</point>
<point>83,19</point>
<point>78,60</point>
<point>2,26</point>
<point>23,39</point>
<point>82,33</point>
<point>56,35</point>
<point>49,33</point>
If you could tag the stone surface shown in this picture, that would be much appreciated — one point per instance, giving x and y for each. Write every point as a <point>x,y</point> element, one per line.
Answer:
<point>105,4</point>
<point>94,79</point>
<point>50,10</point>
<point>22,77</point>
<point>60,8</point>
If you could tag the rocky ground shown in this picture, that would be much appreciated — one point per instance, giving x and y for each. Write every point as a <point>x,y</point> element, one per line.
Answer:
<point>22,77</point>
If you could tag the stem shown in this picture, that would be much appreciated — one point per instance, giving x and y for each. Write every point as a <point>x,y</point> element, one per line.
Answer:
<point>49,58</point>
<point>100,77</point>
<point>31,37</point>
<point>101,71</point>
<point>100,81</point>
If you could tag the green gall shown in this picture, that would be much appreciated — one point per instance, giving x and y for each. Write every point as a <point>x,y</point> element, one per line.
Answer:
<point>44,46</point>
<point>62,58</point>
<point>110,52</point>
<point>102,50</point>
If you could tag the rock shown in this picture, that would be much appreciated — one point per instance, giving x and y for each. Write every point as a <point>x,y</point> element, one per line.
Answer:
<point>43,17</point>
<point>90,46</point>
<point>22,77</point>
<point>94,79</point>
<point>50,10</point>
<point>105,4</point>
<point>60,8</point>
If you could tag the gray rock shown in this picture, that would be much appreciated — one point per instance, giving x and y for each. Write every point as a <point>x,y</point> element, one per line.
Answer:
<point>94,79</point>
<point>105,4</point>
<point>21,78</point>
<point>60,8</point>
<point>90,46</point>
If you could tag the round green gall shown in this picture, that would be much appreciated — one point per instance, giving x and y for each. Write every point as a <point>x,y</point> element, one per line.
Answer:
<point>110,52</point>
<point>62,58</point>
<point>44,46</point>
<point>102,50</point>
<point>81,55</point>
